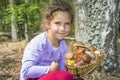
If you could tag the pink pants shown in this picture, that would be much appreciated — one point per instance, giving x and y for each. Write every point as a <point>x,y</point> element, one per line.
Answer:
<point>57,75</point>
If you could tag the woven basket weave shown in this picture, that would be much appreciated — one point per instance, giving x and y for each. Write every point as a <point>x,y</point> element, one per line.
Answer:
<point>84,70</point>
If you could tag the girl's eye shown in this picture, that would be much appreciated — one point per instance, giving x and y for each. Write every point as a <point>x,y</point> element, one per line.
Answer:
<point>58,23</point>
<point>68,24</point>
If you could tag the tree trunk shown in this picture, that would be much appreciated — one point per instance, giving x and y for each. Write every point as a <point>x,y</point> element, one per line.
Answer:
<point>96,24</point>
<point>13,23</point>
<point>26,21</point>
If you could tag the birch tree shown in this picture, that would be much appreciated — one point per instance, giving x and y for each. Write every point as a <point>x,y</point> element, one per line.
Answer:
<point>13,23</point>
<point>96,24</point>
<point>26,21</point>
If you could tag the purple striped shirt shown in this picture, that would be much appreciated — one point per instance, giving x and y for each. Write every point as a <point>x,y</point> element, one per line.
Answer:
<point>38,55</point>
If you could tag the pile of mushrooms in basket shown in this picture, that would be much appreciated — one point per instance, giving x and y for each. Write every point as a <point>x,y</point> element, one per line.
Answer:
<point>81,55</point>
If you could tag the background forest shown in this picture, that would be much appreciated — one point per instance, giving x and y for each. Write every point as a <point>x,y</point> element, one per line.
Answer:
<point>20,20</point>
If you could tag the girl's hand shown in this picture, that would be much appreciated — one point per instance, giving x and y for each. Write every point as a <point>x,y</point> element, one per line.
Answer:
<point>54,66</point>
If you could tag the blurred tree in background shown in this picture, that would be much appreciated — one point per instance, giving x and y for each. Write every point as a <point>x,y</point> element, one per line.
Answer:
<point>21,19</point>
<point>25,14</point>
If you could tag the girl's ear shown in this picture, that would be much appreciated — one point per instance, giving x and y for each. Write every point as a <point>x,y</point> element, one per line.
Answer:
<point>47,23</point>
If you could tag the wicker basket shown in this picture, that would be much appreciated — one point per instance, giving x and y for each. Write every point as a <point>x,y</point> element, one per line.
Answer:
<point>84,70</point>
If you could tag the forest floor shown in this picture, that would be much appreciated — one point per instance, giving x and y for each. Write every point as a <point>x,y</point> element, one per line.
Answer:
<point>10,63</point>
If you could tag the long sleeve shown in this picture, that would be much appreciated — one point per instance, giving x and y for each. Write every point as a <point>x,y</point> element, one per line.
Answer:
<point>31,66</point>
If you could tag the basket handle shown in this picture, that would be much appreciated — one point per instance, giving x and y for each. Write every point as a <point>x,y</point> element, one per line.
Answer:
<point>78,45</point>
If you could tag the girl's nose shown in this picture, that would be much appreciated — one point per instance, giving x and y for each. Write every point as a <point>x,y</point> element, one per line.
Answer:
<point>62,28</point>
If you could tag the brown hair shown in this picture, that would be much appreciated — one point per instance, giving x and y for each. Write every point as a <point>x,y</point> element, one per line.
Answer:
<point>57,5</point>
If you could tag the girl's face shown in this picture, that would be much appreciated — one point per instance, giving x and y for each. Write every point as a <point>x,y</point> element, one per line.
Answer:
<point>59,26</point>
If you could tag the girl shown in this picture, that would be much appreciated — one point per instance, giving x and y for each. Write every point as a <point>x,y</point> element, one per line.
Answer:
<point>44,55</point>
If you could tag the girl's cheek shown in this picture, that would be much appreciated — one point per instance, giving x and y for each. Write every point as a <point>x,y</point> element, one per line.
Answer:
<point>69,29</point>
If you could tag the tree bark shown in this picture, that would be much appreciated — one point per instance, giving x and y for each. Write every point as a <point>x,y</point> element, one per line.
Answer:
<point>26,21</point>
<point>96,24</point>
<point>13,23</point>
